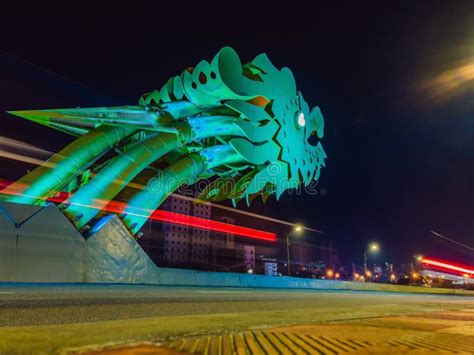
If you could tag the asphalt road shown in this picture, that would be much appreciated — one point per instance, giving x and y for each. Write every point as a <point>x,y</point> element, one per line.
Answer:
<point>80,318</point>
<point>33,304</point>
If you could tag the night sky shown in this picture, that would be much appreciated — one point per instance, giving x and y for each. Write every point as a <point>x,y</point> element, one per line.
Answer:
<point>400,145</point>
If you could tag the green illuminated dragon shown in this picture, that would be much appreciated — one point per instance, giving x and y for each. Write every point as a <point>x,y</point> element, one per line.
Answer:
<point>244,126</point>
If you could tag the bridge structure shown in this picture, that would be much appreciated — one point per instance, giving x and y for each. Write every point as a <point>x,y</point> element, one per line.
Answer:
<point>243,131</point>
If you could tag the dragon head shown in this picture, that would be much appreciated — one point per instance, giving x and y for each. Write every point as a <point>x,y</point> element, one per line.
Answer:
<point>246,124</point>
<point>278,132</point>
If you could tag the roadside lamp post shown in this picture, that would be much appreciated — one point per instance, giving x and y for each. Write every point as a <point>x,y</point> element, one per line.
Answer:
<point>297,230</point>
<point>372,248</point>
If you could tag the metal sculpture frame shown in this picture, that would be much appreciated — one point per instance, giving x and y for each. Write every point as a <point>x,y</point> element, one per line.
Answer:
<point>244,126</point>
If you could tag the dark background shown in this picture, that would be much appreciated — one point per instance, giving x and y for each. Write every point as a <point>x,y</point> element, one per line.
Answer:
<point>400,157</point>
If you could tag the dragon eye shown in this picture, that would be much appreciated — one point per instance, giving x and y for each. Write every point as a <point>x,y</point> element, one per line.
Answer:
<point>301,120</point>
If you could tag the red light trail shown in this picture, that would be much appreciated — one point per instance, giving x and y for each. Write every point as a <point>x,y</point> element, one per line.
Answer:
<point>178,218</point>
<point>197,222</point>
<point>447,266</point>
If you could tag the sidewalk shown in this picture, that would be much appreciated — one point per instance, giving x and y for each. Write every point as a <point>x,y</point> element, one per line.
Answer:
<point>445,331</point>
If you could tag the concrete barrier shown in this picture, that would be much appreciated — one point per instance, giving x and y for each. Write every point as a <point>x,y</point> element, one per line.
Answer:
<point>182,277</point>
<point>38,244</point>
<point>170,277</point>
<point>218,279</point>
<point>115,256</point>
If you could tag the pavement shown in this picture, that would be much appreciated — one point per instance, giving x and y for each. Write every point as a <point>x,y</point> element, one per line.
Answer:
<point>121,319</point>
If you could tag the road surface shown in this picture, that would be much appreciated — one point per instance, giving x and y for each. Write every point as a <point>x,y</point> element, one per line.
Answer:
<point>58,318</point>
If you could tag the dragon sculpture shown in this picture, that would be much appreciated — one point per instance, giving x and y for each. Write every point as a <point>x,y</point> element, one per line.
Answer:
<point>245,127</point>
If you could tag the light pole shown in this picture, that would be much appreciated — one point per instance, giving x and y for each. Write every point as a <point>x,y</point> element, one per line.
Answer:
<point>372,248</point>
<point>297,230</point>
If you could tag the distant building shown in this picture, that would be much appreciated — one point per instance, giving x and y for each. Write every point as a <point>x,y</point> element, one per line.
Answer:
<point>200,242</point>
<point>176,245</point>
<point>225,255</point>
<point>176,237</point>
<point>313,259</point>
<point>249,257</point>
<point>223,239</point>
<point>270,266</point>
<point>185,244</point>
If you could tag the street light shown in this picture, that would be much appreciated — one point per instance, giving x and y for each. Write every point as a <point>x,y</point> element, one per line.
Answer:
<point>297,230</point>
<point>372,248</point>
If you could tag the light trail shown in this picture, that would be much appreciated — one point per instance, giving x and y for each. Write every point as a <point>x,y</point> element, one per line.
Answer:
<point>186,220</point>
<point>447,266</point>
<point>451,82</point>
<point>172,217</point>
<point>24,158</point>
<point>203,223</point>
<point>250,214</point>
<point>187,198</point>
<point>8,143</point>
<point>452,240</point>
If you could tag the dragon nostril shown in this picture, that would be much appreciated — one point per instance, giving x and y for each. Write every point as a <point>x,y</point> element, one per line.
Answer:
<point>213,75</point>
<point>313,139</point>
<point>194,85</point>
